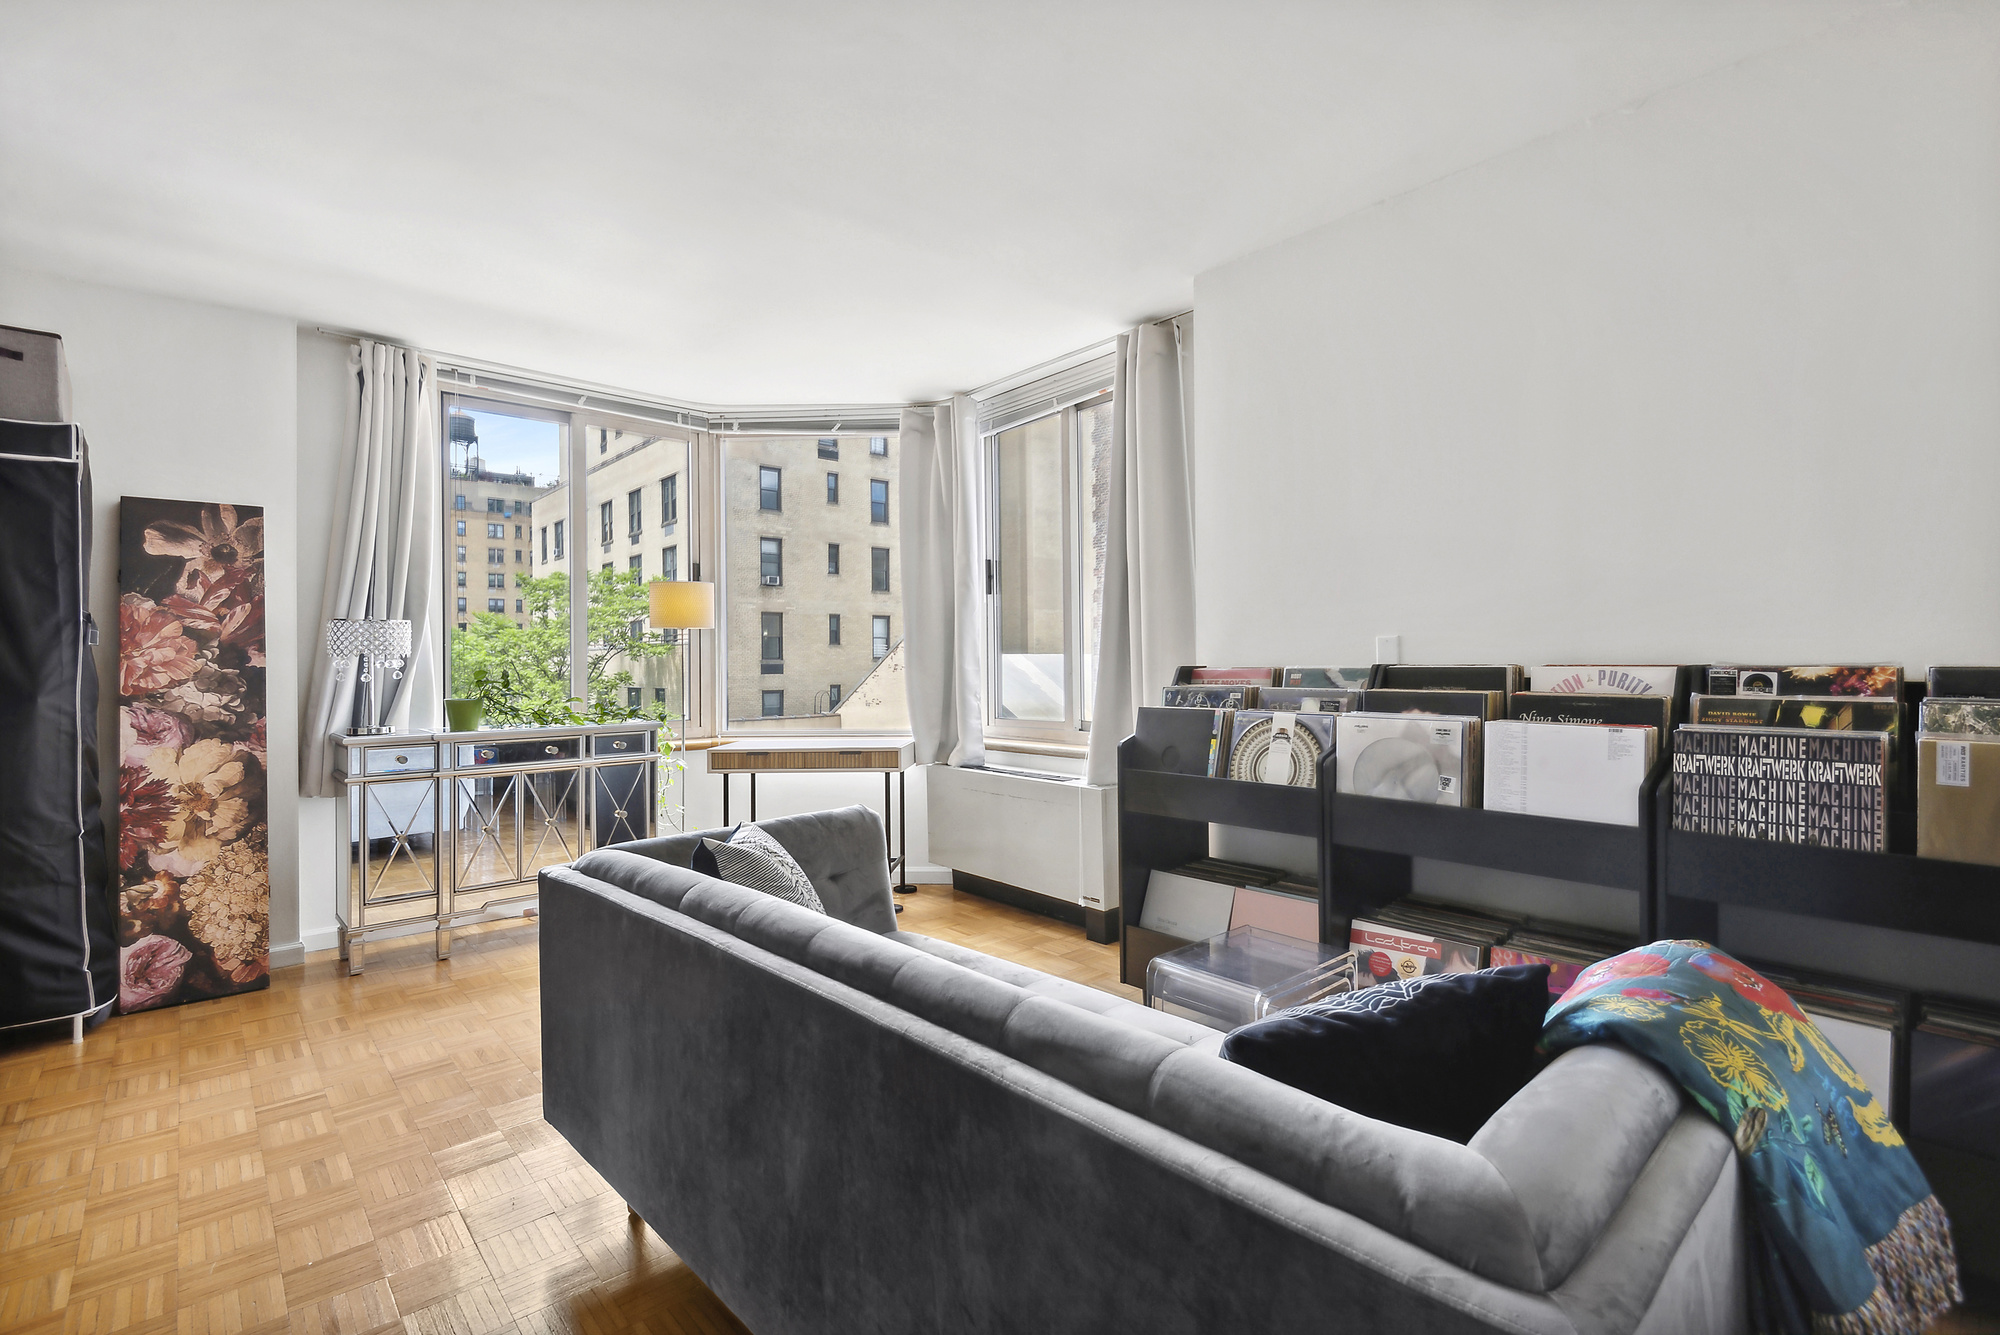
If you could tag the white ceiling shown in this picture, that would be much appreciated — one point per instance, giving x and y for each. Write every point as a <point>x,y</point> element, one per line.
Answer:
<point>779,202</point>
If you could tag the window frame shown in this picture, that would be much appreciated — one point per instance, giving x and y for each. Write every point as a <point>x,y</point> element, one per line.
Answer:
<point>774,489</point>
<point>887,637</point>
<point>770,562</point>
<point>833,630</point>
<point>1074,727</point>
<point>878,570</point>
<point>878,507</point>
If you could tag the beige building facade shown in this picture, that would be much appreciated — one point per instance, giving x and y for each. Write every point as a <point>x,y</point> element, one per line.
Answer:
<point>813,572</point>
<point>488,526</point>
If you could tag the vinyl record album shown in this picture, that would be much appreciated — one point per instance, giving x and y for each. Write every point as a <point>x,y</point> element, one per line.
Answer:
<point>1250,759</point>
<point>1396,767</point>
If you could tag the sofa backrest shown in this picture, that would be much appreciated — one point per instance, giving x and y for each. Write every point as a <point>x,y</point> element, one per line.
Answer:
<point>844,852</point>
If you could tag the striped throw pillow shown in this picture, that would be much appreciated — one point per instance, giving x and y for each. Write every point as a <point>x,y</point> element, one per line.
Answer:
<point>756,861</point>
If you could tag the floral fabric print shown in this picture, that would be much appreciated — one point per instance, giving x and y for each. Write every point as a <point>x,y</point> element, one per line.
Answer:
<point>1853,1239</point>
<point>193,859</point>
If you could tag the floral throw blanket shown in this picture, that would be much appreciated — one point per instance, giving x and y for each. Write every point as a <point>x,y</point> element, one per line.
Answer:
<point>1854,1243</point>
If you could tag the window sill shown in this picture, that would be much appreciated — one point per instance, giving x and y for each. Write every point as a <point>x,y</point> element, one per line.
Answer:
<point>1022,746</point>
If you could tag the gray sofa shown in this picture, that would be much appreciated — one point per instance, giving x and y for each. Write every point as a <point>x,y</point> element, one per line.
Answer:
<point>845,1127</point>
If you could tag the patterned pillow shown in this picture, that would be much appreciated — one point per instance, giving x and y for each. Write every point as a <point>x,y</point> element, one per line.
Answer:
<point>753,859</point>
<point>1437,1053</point>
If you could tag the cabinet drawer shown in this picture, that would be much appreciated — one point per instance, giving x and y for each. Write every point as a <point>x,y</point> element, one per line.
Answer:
<point>621,744</point>
<point>398,759</point>
<point>541,750</point>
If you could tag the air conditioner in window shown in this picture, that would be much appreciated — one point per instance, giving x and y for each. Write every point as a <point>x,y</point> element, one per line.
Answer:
<point>773,581</point>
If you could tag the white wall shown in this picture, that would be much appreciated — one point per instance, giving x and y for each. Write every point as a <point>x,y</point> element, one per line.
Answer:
<point>1711,378</point>
<point>181,399</point>
<point>322,408</point>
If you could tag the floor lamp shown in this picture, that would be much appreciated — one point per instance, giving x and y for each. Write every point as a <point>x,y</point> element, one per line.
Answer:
<point>684,605</point>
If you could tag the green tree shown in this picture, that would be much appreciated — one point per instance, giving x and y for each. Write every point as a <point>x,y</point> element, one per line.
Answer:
<point>533,660</point>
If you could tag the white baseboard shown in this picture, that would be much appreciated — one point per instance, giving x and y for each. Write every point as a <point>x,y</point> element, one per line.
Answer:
<point>287,954</point>
<point>924,873</point>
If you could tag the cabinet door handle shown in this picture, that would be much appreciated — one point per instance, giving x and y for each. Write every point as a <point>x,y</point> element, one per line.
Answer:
<point>618,746</point>
<point>402,760</point>
<point>553,750</point>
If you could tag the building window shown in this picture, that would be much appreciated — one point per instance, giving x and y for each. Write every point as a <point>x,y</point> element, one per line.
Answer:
<point>635,521</point>
<point>458,501</point>
<point>518,606</point>
<point>496,604</point>
<point>603,439</point>
<point>878,501</point>
<point>637,567</point>
<point>496,556</point>
<point>1047,525</point>
<point>604,523</point>
<point>670,563</point>
<point>833,628</point>
<point>833,558</point>
<point>879,446</point>
<point>632,697</point>
<point>545,544</point>
<point>461,552</point>
<point>659,695</point>
<point>833,697</point>
<point>496,530</point>
<point>495,505</point>
<point>461,528</point>
<point>879,646</point>
<point>829,447</point>
<point>496,579</point>
<point>769,495</point>
<point>833,489</point>
<point>517,556</point>
<point>559,539</point>
<point>609,566</point>
<point>670,499</point>
<point>461,579</point>
<point>774,704</point>
<point>771,643</point>
<point>461,607</point>
<point>878,569</point>
<point>771,561</point>
<point>517,532</point>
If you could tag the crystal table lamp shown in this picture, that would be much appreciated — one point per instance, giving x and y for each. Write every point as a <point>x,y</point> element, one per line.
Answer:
<point>377,643</point>
<point>681,604</point>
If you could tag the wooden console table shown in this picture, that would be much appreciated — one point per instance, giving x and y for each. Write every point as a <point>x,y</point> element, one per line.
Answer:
<point>888,756</point>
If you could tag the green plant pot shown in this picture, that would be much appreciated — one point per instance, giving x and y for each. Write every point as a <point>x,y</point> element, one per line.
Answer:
<point>464,715</point>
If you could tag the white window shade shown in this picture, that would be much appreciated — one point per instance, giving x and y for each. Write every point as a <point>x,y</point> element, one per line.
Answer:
<point>1059,389</point>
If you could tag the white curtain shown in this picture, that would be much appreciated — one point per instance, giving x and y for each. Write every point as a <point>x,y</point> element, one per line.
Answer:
<point>382,558</point>
<point>1148,621</point>
<point>944,590</point>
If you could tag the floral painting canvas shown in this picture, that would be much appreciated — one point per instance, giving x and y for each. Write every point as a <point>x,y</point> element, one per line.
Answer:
<point>194,886</point>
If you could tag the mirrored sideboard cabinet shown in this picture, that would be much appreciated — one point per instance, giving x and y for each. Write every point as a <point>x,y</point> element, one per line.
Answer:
<point>446,826</point>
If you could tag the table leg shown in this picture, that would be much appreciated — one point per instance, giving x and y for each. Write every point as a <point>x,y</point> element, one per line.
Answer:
<point>725,799</point>
<point>753,797</point>
<point>903,886</point>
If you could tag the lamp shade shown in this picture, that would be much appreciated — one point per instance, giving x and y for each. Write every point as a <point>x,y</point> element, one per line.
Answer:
<point>385,639</point>
<point>680,604</point>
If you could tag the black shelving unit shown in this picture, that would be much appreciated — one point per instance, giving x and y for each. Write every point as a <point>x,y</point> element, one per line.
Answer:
<point>1369,843</point>
<point>1166,802</point>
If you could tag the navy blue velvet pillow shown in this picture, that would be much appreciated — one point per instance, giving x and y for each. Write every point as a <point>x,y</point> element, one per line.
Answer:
<point>1438,1053</point>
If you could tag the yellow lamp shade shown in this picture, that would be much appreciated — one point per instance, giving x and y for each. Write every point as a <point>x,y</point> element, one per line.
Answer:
<point>680,604</point>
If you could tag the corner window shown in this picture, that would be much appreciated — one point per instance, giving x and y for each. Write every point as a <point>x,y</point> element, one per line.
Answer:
<point>878,569</point>
<point>761,528</point>
<point>878,501</point>
<point>1049,480</point>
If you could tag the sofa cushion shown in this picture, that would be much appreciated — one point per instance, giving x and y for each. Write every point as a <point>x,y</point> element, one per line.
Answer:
<point>1082,996</point>
<point>1438,1053</point>
<point>1439,1195</point>
<point>1573,1141</point>
<point>754,859</point>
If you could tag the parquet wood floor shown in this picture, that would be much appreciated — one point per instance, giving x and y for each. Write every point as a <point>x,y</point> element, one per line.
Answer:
<point>354,1156</point>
